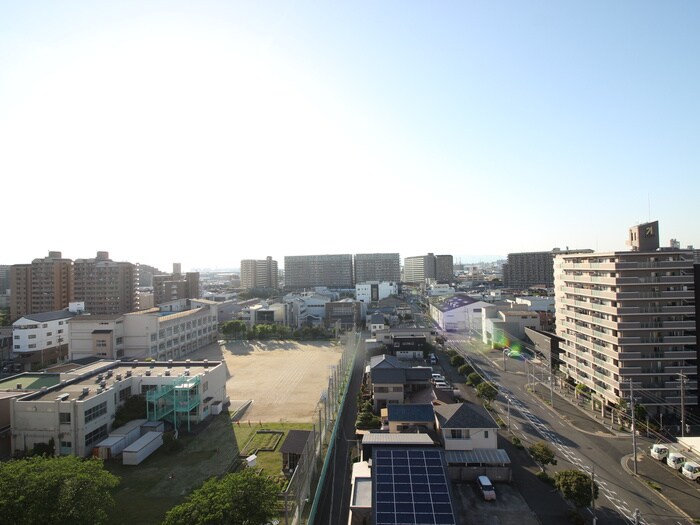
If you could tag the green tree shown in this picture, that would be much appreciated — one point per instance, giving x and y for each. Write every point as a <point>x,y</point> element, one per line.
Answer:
<point>234,329</point>
<point>575,486</point>
<point>133,408</point>
<point>487,392</point>
<point>241,498</point>
<point>55,490</point>
<point>542,454</point>
<point>465,369</point>
<point>457,360</point>
<point>474,379</point>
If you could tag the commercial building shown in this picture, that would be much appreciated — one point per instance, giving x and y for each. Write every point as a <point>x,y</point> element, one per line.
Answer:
<point>374,291</point>
<point>345,314</point>
<point>105,286</point>
<point>308,271</point>
<point>529,269</point>
<point>45,285</point>
<point>457,313</point>
<point>377,267</point>
<point>76,409</point>
<point>627,320</point>
<point>259,273</point>
<point>502,324</point>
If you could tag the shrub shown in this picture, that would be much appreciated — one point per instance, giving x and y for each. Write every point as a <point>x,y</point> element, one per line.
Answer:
<point>465,369</point>
<point>457,360</point>
<point>474,379</point>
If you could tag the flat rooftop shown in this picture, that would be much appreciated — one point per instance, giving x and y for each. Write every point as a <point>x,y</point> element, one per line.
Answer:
<point>107,374</point>
<point>30,381</point>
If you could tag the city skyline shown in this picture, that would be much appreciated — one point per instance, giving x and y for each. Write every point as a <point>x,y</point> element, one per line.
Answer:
<point>207,133</point>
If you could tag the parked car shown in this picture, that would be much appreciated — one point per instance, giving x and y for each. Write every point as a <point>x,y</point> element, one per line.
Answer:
<point>691,470</point>
<point>659,451</point>
<point>486,488</point>
<point>675,460</point>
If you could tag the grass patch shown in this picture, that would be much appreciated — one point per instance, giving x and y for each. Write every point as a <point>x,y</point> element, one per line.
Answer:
<point>654,485</point>
<point>269,461</point>
<point>147,491</point>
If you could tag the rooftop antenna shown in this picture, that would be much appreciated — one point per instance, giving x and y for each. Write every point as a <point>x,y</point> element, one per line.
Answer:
<point>649,206</point>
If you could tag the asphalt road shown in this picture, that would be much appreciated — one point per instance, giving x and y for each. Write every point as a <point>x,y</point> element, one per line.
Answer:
<point>580,441</point>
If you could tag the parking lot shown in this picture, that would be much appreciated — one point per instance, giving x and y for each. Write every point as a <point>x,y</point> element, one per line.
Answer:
<point>509,508</point>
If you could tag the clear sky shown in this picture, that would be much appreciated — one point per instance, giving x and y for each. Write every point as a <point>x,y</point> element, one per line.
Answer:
<point>207,132</point>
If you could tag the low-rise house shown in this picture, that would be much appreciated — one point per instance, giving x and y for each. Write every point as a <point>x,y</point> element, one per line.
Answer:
<point>410,418</point>
<point>376,322</point>
<point>465,426</point>
<point>392,381</point>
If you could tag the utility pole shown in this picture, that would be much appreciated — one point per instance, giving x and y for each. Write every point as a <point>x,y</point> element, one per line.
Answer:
<point>595,518</point>
<point>551,383</point>
<point>634,428</point>
<point>682,403</point>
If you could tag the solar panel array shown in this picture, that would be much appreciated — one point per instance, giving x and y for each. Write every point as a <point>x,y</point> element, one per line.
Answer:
<point>411,488</point>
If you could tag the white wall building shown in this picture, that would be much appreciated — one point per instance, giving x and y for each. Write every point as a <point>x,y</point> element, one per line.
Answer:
<point>37,332</point>
<point>78,411</point>
<point>500,324</point>
<point>458,313</point>
<point>373,291</point>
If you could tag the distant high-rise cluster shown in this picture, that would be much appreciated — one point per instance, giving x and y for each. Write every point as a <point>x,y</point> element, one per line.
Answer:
<point>259,273</point>
<point>420,268</point>
<point>530,269</point>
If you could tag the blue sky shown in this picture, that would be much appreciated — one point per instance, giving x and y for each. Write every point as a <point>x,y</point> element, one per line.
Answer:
<point>233,130</point>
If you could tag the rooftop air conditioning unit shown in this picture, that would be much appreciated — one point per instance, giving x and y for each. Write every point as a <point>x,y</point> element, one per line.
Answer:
<point>148,372</point>
<point>86,390</point>
<point>167,372</point>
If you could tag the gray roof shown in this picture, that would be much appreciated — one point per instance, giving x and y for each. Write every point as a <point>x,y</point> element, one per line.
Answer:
<point>44,317</point>
<point>414,413</point>
<point>377,319</point>
<point>388,376</point>
<point>295,442</point>
<point>386,361</point>
<point>477,456</point>
<point>464,415</point>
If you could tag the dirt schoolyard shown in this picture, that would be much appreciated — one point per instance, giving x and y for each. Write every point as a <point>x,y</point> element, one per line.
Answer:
<point>283,380</point>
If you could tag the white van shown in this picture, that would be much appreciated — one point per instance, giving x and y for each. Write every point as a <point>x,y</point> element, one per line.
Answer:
<point>691,470</point>
<point>659,451</point>
<point>675,460</point>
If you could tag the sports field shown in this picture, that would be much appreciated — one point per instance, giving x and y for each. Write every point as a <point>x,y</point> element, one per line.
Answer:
<point>283,380</point>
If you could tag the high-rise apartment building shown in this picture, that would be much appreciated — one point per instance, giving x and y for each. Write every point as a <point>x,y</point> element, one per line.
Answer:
<point>444,268</point>
<point>259,273</point>
<point>527,269</point>
<point>307,271</point>
<point>45,285</point>
<point>4,278</point>
<point>174,286</point>
<point>106,286</point>
<point>382,267</point>
<point>419,268</point>
<point>627,321</point>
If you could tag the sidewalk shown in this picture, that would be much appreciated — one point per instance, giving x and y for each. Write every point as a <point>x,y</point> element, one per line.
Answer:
<point>679,492</point>
<point>655,476</point>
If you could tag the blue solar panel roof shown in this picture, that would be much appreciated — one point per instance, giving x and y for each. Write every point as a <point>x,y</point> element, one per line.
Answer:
<point>410,487</point>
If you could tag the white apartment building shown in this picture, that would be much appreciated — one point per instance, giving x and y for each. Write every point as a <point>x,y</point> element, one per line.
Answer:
<point>373,291</point>
<point>628,320</point>
<point>152,333</point>
<point>78,410</point>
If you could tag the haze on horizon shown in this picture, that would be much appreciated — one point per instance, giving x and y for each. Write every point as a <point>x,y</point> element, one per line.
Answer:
<point>209,132</point>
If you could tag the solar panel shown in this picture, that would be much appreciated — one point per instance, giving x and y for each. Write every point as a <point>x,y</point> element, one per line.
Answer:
<point>411,488</point>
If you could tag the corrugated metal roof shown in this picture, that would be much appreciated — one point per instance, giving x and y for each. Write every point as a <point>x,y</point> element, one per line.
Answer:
<point>479,456</point>
<point>383,438</point>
